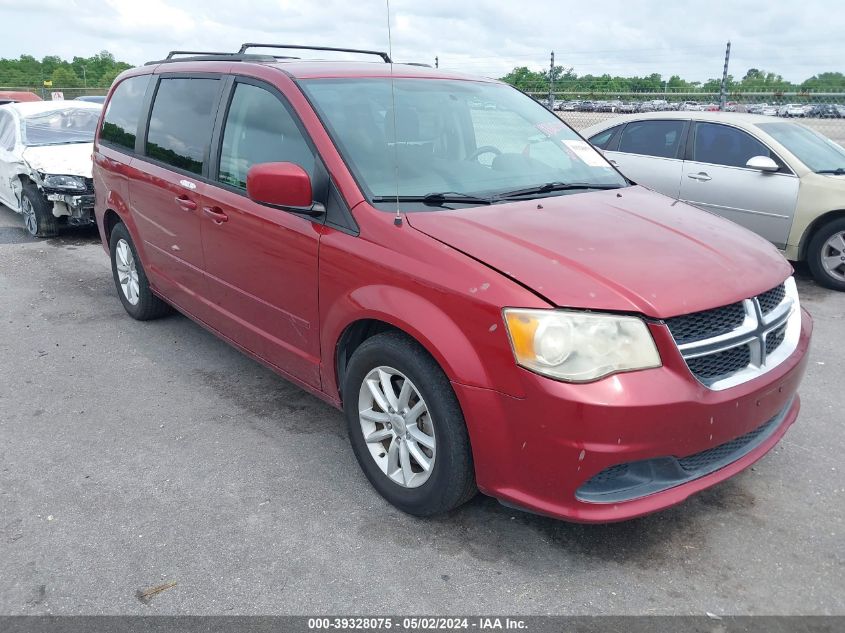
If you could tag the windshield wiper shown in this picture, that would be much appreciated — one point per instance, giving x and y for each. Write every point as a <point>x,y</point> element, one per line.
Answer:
<point>839,171</point>
<point>437,199</point>
<point>550,187</point>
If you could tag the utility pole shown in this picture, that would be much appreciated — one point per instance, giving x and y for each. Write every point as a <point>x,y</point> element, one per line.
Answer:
<point>552,82</point>
<point>437,62</point>
<point>724,87</point>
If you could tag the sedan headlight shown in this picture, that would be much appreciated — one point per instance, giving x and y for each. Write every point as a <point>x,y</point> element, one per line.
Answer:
<point>579,346</point>
<point>73,183</point>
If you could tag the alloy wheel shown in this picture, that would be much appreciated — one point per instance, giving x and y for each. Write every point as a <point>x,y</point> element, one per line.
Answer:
<point>397,427</point>
<point>833,256</point>
<point>127,271</point>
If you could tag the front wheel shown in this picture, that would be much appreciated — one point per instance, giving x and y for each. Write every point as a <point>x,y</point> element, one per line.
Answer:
<point>37,213</point>
<point>826,255</point>
<point>406,426</point>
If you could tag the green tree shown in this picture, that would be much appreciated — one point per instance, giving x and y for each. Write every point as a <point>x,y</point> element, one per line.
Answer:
<point>64,77</point>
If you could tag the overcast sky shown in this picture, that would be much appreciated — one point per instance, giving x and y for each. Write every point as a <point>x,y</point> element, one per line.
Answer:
<point>489,37</point>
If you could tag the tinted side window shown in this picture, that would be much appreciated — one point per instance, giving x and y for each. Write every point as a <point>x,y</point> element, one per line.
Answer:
<point>652,138</point>
<point>603,138</point>
<point>121,121</point>
<point>259,129</point>
<point>7,131</point>
<point>181,122</point>
<point>725,145</point>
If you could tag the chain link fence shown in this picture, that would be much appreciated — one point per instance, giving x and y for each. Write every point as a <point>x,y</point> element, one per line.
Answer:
<point>824,112</point>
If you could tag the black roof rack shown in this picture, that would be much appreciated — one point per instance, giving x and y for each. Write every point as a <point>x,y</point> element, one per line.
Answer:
<point>208,56</point>
<point>172,54</point>
<point>381,54</point>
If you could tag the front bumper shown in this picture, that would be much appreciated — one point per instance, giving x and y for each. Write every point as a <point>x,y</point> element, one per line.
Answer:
<point>79,208</point>
<point>536,452</point>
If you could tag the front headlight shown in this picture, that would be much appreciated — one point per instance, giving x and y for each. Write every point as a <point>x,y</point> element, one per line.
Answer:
<point>579,346</point>
<point>73,183</point>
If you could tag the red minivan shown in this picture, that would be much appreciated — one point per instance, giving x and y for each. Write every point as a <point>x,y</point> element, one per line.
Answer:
<point>492,305</point>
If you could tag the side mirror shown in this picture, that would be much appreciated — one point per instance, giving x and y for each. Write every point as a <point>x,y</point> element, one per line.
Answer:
<point>762,163</point>
<point>284,185</point>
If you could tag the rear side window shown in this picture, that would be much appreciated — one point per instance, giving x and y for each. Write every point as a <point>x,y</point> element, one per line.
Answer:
<point>120,123</point>
<point>652,138</point>
<point>725,145</point>
<point>259,129</point>
<point>181,122</point>
<point>603,138</point>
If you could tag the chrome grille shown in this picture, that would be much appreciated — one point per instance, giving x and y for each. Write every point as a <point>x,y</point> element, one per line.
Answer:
<point>706,324</point>
<point>771,299</point>
<point>725,363</point>
<point>726,346</point>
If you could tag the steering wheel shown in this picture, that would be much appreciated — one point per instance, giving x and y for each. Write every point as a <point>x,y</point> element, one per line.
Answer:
<point>484,149</point>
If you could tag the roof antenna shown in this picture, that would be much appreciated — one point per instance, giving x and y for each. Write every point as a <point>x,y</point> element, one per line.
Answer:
<point>397,220</point>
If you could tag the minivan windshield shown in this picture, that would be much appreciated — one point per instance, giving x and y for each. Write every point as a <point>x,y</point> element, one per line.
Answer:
<point>60,126</point>
<point>817,152</point>
<point>465,142</point>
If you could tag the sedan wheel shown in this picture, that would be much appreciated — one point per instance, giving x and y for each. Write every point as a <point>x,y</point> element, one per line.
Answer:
<point>826,254</point>
<point>397,427</point>
<point>29,219</point>
<point>833,256</point>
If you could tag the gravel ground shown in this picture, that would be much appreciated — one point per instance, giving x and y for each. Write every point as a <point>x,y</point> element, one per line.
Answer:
<point>133,455</point>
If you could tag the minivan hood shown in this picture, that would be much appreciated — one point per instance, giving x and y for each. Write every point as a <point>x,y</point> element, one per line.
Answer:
<point>630,250</point>
<point>73,159</point>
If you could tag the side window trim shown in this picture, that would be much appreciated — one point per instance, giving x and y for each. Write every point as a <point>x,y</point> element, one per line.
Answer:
<point>690,153</point>
<point>141,139</point>
<point>613,143</point>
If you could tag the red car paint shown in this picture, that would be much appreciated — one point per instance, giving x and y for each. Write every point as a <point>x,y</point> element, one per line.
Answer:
<point>16,96</point>
<point>284,288</point>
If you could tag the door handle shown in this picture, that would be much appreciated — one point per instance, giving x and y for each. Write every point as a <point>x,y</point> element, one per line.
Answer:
<point>701,177</point>
<point>186,203</point>
<point>612,162</point>
<point>216,214</point>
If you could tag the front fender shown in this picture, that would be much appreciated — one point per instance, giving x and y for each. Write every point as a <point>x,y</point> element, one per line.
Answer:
<point>457,347</point>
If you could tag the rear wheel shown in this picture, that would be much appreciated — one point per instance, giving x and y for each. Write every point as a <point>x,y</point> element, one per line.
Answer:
<point>38,218</point>
<point>131,280</point>
<point>406,426</point>
<point>826,255</point>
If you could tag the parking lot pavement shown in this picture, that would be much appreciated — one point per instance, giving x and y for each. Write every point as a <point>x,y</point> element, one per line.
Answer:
<point>133,455</point>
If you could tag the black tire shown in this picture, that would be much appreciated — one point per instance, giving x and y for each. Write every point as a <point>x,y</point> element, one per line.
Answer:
<point>816,250</point>
<point>148,305</point>
<point>452,479</point>
<point>43,223</point>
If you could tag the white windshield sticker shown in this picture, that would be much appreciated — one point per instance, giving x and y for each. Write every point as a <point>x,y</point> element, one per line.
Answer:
<point>585,152</point>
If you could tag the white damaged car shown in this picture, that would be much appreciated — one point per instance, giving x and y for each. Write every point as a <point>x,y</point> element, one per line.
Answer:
<point>45,163</point>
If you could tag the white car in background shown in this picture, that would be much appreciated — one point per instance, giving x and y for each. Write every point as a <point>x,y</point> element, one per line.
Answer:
<point>791,109</point>
<point>45,163</point>
<point>778,178</point>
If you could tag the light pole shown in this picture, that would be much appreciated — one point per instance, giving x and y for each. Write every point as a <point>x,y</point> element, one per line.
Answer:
<point>84,77</point>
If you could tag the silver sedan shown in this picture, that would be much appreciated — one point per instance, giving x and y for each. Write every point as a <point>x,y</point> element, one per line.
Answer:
<point>778,178</point>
